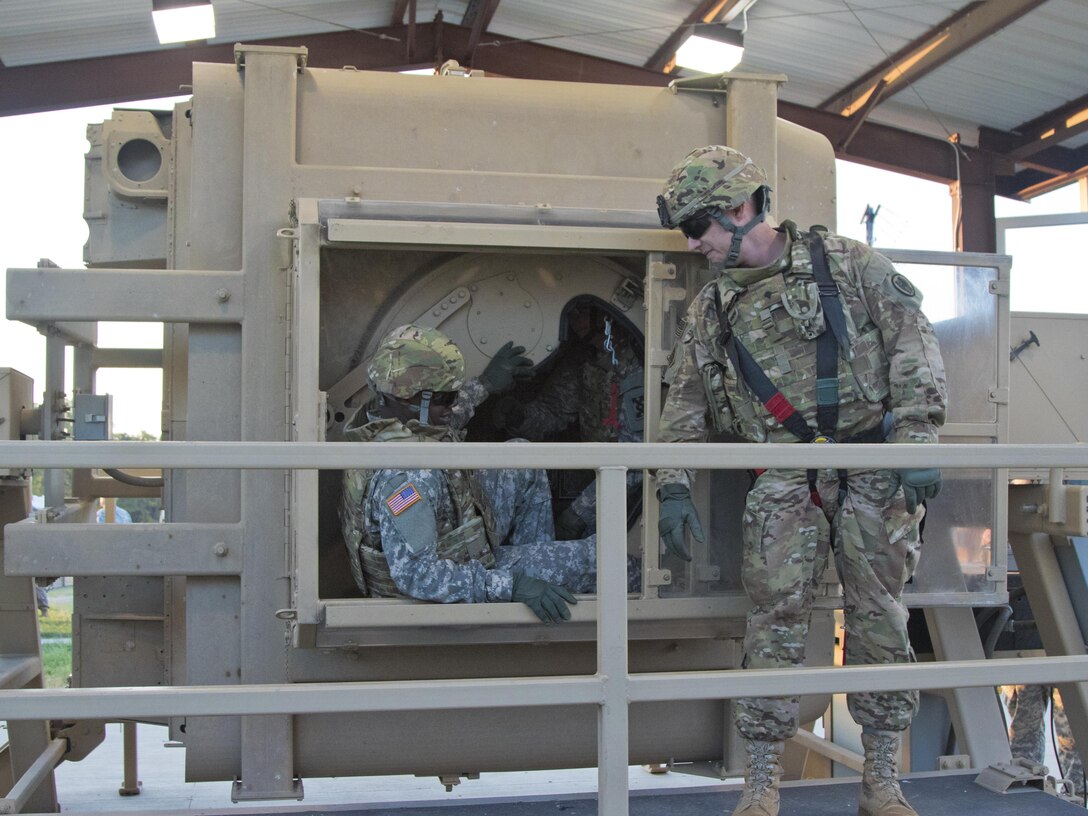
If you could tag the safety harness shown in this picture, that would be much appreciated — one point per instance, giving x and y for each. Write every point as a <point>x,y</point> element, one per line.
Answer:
<point>827,370</point>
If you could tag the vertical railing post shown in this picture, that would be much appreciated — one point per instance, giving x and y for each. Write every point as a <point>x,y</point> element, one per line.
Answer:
<point>612,729</point>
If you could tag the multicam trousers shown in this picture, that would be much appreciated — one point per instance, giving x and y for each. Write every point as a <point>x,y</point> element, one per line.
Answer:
<point>1027,730</point>
<point>786,542</point>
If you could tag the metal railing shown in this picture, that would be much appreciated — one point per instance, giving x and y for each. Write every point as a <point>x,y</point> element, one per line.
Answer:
<point>611,689</point>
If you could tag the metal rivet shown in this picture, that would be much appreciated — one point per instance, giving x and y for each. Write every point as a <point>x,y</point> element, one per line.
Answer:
<point>220,549</point>
<point>222,295</point>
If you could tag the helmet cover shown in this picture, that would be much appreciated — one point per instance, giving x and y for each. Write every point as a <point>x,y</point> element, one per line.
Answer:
<point>710,177</point>
<point>413,358</point>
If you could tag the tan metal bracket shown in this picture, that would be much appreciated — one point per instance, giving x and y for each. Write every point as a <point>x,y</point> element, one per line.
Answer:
<point>658,577</point>
<point>240,50</point>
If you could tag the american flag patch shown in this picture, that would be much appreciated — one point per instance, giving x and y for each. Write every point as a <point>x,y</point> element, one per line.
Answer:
<point>404,498</point>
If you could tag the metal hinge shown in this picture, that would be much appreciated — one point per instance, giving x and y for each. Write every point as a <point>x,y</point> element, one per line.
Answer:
<point>662,271</point>
<point>999,287</point>
<point>999,396</point>
<point>658,577</point>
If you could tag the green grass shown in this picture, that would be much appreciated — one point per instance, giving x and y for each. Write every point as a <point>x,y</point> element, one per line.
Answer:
<point>58,623</point>
<point>57,663</point>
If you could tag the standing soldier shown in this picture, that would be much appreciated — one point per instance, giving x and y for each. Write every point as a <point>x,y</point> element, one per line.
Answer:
<point>806,337</point>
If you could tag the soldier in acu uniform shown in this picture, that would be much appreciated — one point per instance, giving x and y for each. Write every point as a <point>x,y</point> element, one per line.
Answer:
<point>804,337</point>
<point>451,535</point>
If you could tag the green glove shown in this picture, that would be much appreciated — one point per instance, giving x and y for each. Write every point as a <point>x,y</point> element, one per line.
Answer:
<point>508,414</point>
<point>569,526</point>
<point>919,484</point>
<point>548,601</point>
<point>676,511</point>
<point>507,365</point>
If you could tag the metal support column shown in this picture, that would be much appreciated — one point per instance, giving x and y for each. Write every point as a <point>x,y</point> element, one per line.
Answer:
<point>20,647</point>
<point>976,713</point>
<point>130,786</point>
<point>751,121</point>
<point>1054,615</point>
<point>270,78</point>
<point>52,408</point>
<point>975,228</point>
<point>612,724</point>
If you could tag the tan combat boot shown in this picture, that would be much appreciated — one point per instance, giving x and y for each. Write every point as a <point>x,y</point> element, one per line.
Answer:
<point>880,793</point>
<point>761,775</point>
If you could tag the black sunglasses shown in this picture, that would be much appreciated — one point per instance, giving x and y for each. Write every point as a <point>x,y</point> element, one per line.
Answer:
<point>696,226</point>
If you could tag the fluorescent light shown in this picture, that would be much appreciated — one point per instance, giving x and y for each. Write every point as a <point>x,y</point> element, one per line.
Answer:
<point>183,21</point>
<point>711,49</point>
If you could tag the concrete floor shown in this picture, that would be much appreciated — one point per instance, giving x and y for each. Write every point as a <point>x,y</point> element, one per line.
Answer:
<point>91,786</point>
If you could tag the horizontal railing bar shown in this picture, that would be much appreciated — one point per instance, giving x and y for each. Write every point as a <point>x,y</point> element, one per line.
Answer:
<point>713,685</point>
<point>310,698</point>
<point>340,455</point>
<point>296,698</point>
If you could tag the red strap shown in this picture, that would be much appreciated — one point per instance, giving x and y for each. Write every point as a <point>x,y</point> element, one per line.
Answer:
<point>613,419</point>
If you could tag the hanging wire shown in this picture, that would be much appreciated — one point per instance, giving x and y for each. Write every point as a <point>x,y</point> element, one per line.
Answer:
<point>609,345</point>
<point>266,7</point>
<point>910,84</point>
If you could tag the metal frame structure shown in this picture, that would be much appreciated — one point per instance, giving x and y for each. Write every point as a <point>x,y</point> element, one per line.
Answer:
<point>241,301</point>
<point>612,688</point>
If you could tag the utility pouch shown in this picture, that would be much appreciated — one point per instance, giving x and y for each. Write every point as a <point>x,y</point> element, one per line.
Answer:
<point>467,543</point>
<point>801,298</point>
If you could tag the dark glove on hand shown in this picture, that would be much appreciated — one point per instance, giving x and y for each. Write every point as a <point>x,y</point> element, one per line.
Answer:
<point>548,601</point>
<point>508,414</point>
<point>919,484</point>
<point>569,526</point>
<point>676,511</point>
<point>507,365</point>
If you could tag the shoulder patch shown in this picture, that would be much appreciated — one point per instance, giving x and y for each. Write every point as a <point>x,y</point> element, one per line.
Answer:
<point>903,285</point>
<point>410,513</point>
<point>403,498</point>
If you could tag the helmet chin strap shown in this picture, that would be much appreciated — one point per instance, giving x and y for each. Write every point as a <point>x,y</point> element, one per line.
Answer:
<point>739,232</point>
<point>425,407</point>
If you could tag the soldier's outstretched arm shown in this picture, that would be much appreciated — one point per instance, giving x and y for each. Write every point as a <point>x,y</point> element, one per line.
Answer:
<point>683,418</point>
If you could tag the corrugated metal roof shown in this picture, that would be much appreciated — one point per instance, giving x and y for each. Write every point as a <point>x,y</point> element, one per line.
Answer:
<point>1034,65</point>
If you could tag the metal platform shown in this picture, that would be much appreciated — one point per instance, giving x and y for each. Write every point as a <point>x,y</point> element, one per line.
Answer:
<point>935,795</point>
<point>943,794</point>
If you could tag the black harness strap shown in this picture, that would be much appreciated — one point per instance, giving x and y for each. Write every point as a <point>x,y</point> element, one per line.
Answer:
<point>827,357</point>
<point>828,343</point>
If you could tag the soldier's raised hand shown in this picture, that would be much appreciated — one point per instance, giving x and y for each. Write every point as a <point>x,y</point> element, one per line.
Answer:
<point>505,367</point>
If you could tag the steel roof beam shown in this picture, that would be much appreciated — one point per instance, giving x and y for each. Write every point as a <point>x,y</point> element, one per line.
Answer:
<point>950,38</point>
<point>708,11</point>
<point>1050,129</point>
<point>478,15</point>
<point>399,8</point>
<point>151,74</point>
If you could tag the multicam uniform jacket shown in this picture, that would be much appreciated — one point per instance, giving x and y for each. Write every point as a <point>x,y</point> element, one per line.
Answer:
<point>893,362</point>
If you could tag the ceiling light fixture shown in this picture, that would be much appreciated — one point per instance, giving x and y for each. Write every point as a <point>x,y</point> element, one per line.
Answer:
<point>711,48</point>
<point>183,20</point>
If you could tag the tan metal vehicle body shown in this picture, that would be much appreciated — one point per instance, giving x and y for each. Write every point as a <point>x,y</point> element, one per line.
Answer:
<point>298,214</point>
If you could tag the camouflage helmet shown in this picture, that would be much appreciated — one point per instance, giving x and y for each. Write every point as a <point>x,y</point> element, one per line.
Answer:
<point>412,359</point>
<point>712,176</point>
